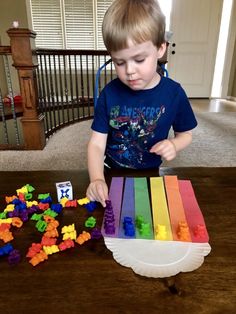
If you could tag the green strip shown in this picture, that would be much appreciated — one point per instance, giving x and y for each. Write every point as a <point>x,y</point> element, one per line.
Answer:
<point>143,216</point>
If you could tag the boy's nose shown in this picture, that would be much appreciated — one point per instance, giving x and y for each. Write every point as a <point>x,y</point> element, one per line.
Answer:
<point>130,69</point>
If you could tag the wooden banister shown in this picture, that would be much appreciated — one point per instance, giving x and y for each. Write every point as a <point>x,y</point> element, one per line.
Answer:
<point>4,50</point>
<point>24,60</point>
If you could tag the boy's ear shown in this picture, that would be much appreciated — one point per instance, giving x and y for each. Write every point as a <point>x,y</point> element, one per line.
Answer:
<point>161,50</point>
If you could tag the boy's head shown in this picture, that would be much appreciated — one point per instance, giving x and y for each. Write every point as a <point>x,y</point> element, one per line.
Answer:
<point>136,20</point>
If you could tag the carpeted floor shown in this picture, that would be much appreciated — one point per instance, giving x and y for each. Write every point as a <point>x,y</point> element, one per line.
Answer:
<point>214,142</point>
<point>214,145</point>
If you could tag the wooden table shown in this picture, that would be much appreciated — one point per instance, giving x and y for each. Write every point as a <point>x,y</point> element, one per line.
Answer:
<point>86,279</point>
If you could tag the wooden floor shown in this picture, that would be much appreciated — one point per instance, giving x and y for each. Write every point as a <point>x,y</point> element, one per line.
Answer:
<point>213,105</point>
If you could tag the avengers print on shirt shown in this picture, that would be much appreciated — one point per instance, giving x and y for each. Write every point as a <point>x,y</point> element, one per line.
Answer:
<point>136,120</point>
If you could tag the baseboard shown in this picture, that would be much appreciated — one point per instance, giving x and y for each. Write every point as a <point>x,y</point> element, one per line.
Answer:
<point>232,98</point>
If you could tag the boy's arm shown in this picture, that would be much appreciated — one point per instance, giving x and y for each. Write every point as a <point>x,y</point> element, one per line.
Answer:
<point>97,189</point>
<point>168,148</point>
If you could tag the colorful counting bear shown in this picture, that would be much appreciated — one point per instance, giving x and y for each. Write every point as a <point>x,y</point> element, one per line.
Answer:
<point>4,227</point>
<point>51,249</point>
<point>43,206</point>
<point>14,257</point>
<point>69,232</point>
<point>161,232</point>
<point>3,215</point>
<point>46,241</point>
<point>90,222</point>
<point>36,217</point>
<point>63,201</point>
<point>9,199</point>
<point>51,230</point>
<point>84,236</point>
<point>57,208</point>
<point>52,223</point>
<point>38,258</point>
<point>109,219</point>
<point>50,213</point>
<point>9,208</point>
<point>5,233</point>
<point>34,249</point>
<point>31,203</point>
<point>6,221</point>
<point>200,231</point>
<point>96,233</point>
<point>91,206</point>
<point>71,203</point>
<point>41,225</point>
<point>143,227</point>
<point>22,190</point>
<point>17,222</point>
<point>83,201</point>
<point>129,228</point>
<point>67,244</point>
<point>183,231</point>
<point>6,249</point>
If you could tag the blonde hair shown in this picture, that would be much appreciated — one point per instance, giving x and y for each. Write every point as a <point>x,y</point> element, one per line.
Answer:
<point>138,20</point>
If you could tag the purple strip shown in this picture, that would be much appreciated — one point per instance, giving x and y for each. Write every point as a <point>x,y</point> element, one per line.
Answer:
<point>115,196</point>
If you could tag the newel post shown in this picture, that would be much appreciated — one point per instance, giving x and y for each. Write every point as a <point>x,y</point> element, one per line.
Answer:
<point>24,60</point>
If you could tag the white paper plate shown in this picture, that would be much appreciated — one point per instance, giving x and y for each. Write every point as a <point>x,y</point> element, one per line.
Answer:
<point>157,259</point>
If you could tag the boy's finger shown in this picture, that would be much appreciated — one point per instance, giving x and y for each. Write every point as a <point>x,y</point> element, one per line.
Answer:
<point>156,148</point>
<point>101,195</point>
<point>90,196</point>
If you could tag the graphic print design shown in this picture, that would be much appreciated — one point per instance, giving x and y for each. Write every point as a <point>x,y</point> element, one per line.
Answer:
<point>132,130</point>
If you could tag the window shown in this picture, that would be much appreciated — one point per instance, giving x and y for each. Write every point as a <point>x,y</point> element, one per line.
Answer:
<point>68,24</point>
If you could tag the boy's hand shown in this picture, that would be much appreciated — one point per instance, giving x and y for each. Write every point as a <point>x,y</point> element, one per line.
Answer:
<point>166,149</point>
<point>98,191</point>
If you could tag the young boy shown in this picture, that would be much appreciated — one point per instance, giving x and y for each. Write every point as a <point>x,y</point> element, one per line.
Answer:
<point>135,112</point>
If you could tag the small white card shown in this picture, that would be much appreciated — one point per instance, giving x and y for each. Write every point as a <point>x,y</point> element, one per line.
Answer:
<point>64,189</point>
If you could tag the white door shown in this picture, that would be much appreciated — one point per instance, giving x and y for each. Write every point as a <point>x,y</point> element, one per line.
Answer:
<point>195,25</point>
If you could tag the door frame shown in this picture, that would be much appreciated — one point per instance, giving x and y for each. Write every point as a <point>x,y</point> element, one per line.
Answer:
<point>229,62</point>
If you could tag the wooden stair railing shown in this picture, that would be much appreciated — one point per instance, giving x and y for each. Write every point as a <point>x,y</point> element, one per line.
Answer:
<point>24,60</point>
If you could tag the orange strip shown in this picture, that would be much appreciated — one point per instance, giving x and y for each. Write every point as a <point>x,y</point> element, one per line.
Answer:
<point>180,230</point>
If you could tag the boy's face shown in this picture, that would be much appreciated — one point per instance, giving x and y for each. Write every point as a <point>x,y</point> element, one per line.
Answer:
<point>136,65</point>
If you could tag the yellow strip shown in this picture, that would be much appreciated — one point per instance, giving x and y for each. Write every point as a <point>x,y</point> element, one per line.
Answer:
<point>161,220</point>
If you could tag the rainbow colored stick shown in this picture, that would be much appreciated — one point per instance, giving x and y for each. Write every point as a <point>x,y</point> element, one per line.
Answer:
<point>115,195</point>
<point>180,229</point>
<point>128,209</point>
<point>193,213</point>
<point>160,213</point>
<point>143,217</point>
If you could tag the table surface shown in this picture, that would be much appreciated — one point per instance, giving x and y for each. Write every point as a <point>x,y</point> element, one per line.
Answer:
<point>86,279</point>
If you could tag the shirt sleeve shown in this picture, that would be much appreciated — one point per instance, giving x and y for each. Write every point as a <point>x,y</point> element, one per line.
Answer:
<point>101,117</point>
<point>185,119</point>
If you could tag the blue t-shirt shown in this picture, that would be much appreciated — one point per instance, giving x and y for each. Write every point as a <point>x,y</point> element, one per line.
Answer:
<point>136,120</point>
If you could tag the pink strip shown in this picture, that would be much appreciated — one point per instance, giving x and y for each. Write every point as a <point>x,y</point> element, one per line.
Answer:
<point>193,213</point>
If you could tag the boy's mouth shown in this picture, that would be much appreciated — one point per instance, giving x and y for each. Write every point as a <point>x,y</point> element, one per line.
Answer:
<point>133,82</point>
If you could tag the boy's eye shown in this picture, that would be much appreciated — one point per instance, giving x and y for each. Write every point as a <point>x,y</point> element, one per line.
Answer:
<point>119,63</point>
<point>140,60</point>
